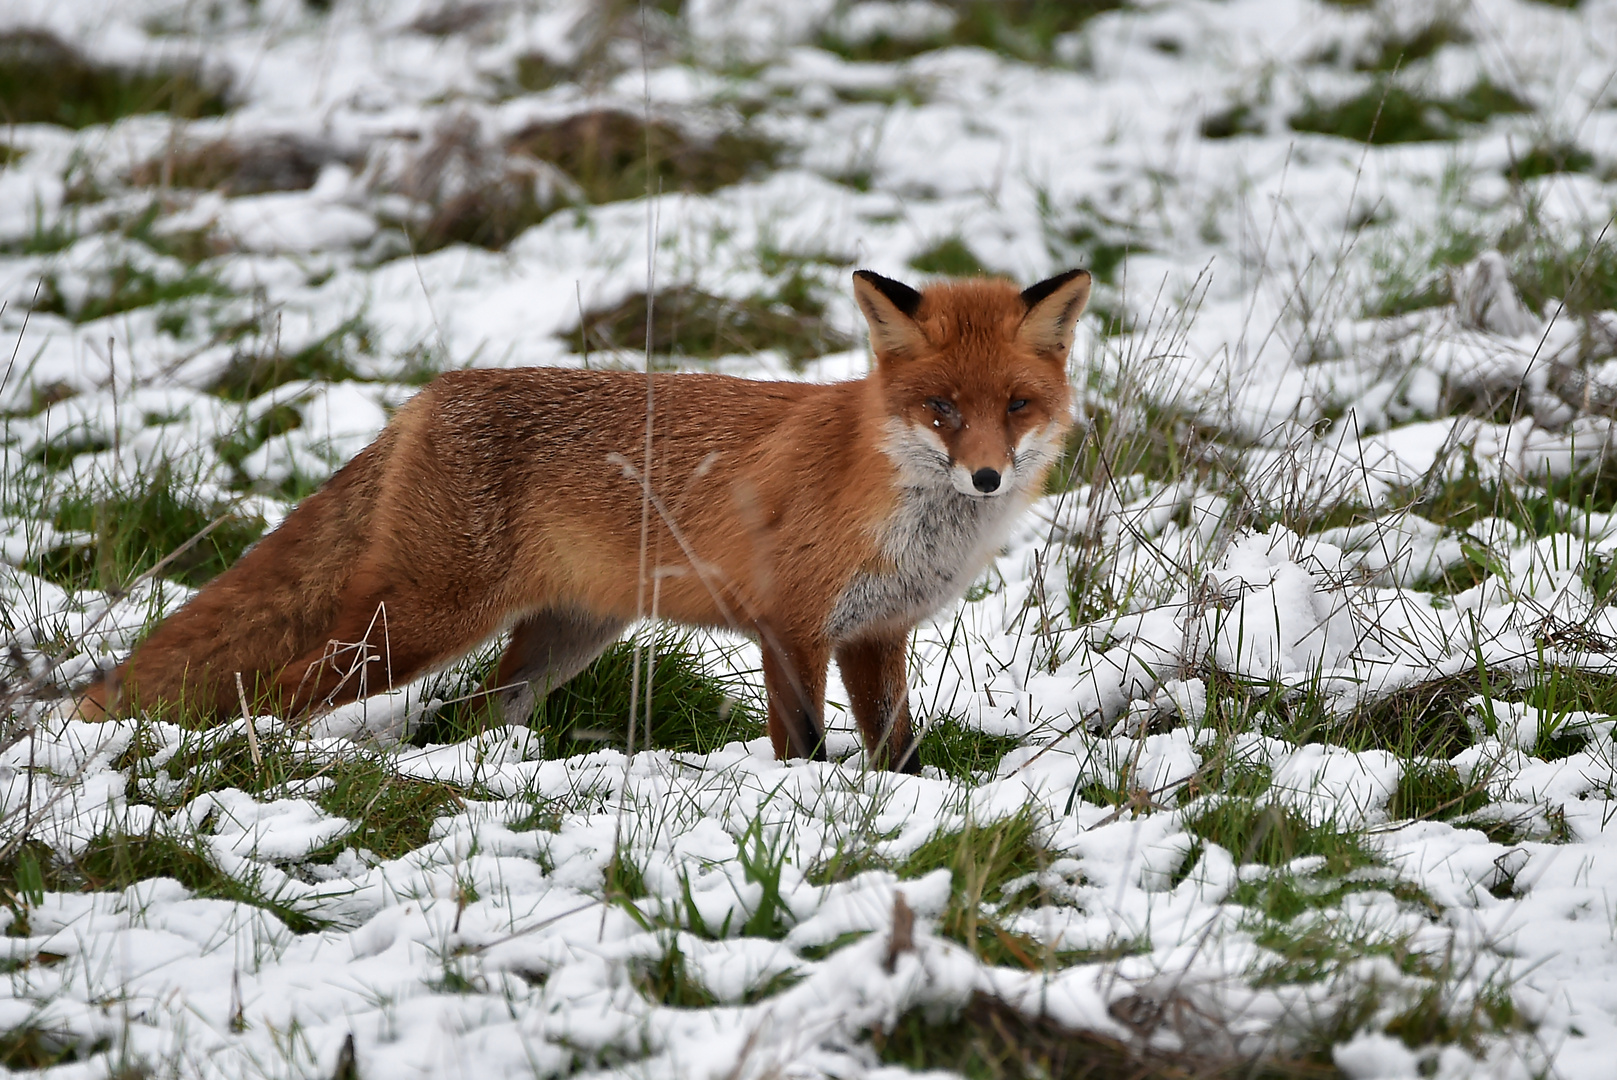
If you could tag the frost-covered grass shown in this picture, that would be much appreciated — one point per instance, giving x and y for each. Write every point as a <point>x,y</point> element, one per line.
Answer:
<point>1278,742</point>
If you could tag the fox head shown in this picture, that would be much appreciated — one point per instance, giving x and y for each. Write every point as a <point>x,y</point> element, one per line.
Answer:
<point>974,376</point>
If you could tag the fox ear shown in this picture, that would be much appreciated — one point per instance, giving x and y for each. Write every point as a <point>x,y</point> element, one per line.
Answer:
<point>889,307</point>
<point>1053,307</point>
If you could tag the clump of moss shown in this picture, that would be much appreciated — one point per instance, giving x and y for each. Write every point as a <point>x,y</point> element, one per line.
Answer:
<point>44,80</point>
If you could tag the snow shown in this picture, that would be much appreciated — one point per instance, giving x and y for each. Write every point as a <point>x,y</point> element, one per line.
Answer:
<point>494,949</point>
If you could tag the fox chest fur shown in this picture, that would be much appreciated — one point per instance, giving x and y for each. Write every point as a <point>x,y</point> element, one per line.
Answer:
<point>934,546</point>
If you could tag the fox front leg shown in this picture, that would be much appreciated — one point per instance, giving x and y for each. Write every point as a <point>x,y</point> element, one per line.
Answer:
<point>794,680</point>
<point>873,673</point>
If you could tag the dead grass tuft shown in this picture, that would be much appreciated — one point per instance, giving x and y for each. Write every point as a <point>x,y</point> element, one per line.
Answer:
<point>993,1040</point>
<point>690,324</point>
<point>460,186</point>
<point>606,153</point>
<point>455,18</point>
<point>238,166</point>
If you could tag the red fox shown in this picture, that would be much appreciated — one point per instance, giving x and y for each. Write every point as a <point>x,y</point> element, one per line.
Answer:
<point>823,520</point>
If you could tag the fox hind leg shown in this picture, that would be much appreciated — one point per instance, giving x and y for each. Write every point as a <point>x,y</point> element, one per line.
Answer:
<point>547,649</point>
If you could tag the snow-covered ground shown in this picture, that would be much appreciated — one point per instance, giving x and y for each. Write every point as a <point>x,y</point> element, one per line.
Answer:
<point>1333,341</point>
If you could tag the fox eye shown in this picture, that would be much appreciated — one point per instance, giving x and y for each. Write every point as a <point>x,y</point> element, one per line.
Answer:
<point>945,409</point>
<point>1017,405</point>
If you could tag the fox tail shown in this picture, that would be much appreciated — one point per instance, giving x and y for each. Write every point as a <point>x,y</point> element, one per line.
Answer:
<point>274,605</point>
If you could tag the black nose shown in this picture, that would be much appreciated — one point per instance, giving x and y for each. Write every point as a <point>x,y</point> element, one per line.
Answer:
<point>985,480</point>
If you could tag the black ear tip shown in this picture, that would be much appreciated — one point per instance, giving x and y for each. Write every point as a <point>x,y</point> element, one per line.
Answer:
<point>1035,293</point>
<point>898,294</point>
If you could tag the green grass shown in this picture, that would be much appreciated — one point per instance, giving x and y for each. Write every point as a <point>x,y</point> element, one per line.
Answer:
<point>1022,29</point>
<point>1239,118</point>
<point>1130,443</point>
<point>59,452</point>
<point>611,155</point>
<point>963,752</point>
<point>1546,157</point>
<point>668,980</point>
<point>950,257</point>
<point>135,528</point>
<point>1424,724</point>
<point>46,236</point>
<point>905,92</point>
<point>691,710</point>
<point>1389,112</point>
<point>33,1046</point>
<point>489,217</point>
<point>392,814</point>
<point>41,396</point>
<point>234,448</point>
<point>1448,1008</point>
<point>1266,832</point>
<point>1433,790</point>
<point>127,287</point>
<point>533,72</point>
<point>1459,501</point>
<point>1411,269</point>
<point>1393,50</point>
<point>1427,719</point>
<point>983,859</point>
<point>1096,242</point>
<point>1559,689</point>
<point>112,861</point>
<point>1581,273</point>
<point>44,80</point>
<point>1152,441</point>
<point>1309,945</point>
<point>253,373</point>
